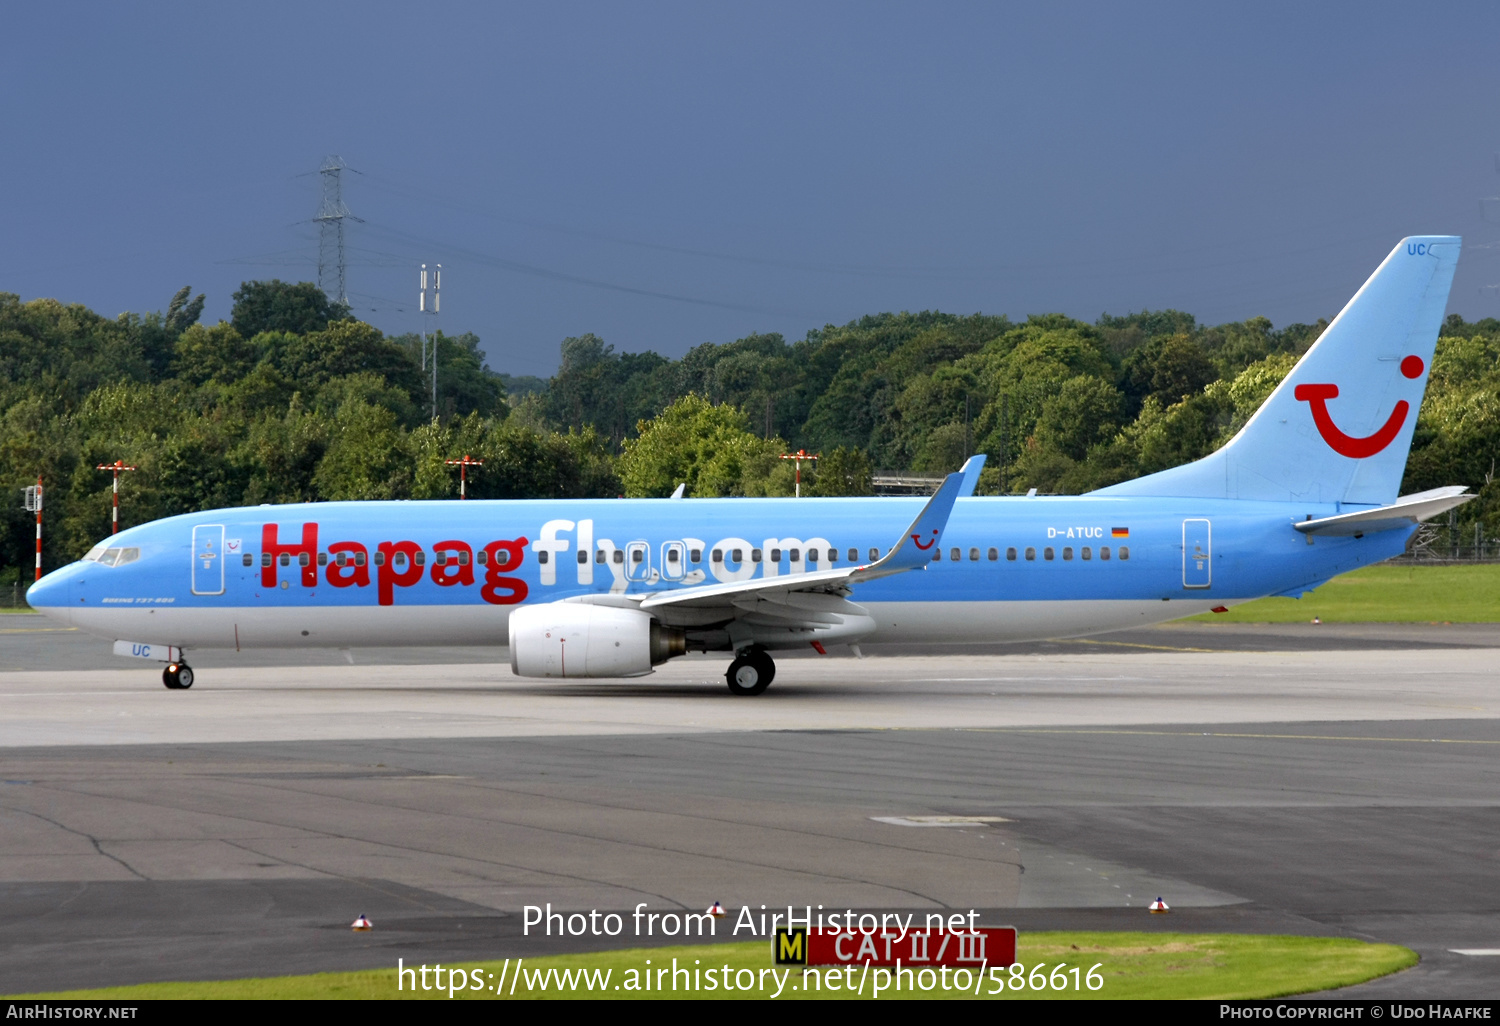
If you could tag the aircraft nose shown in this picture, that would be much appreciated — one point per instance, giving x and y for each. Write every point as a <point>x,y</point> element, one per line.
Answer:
<point>50,595</point>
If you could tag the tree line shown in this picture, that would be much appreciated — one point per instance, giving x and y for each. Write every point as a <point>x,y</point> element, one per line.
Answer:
<point>293,400</point>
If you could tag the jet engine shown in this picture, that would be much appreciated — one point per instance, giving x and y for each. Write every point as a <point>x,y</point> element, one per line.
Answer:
<point>578,639</point>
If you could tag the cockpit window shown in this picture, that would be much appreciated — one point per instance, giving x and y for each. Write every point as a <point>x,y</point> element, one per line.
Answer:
<point>113,557</point>
<point>95,552</point>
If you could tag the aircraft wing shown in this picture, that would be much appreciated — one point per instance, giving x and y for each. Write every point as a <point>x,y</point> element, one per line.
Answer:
<point>1405,511</point>
<point>910,552</point>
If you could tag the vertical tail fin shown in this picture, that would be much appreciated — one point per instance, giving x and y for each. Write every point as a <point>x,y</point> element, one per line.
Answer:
<point>1340,425</point>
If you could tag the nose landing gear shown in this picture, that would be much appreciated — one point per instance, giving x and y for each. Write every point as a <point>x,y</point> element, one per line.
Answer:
<point>751,672</point>
<point>177,676</point>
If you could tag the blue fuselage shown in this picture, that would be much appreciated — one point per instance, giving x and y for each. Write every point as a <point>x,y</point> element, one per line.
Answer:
<point>350,574</point>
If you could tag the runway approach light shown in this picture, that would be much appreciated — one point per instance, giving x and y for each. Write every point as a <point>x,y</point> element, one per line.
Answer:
<point>716,910</point>
<point>1159,906</point>
<point>361,923</point>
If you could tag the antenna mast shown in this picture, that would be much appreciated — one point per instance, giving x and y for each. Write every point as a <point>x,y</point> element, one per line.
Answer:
<point>429,303</point>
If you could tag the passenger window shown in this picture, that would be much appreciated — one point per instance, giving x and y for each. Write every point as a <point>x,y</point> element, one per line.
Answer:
<point>718,555</point>
<point>995,555</point>
<point>359,558</point>
<point>599,556</point>
<point>399,559</point>
<point>1087,553</point>
<point>1047,552</point>
<point>249,560</point>
<point>1124,552</point>
<point>953,555</point>
<point>340,558</point>
<point>265,559</point>
<point>619,556</point>
<point>812,555</point>
<point>874,555</point>
<point>380,559</point>
<point>1067,552</point>
<point>463,557</point>
<point>303,559</point>
<point>755,555</point>
<point>1030,552</point>
<point>440,557</point>
<point>637,555</point>
<point>776,555</point>
<point>481,557</point>
<point>696,555</point>
<point>974,555</point>
<point>937,555</point>
<point>322,559</point>
<point>795,556</point>
<point>1010,554</point>
<point>286,559</point>
<point>854,555</point>
<point>420,557</point>
<point>673,553</point>
<point>583,557</point>
<point>541,557</point>
<point>833,555</point>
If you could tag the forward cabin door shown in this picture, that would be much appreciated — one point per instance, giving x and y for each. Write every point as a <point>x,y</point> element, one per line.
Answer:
<point>208,559</point>
<point>1197,554</point>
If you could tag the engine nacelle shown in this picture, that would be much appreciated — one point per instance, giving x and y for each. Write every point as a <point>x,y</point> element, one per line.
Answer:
<point>577,639</point>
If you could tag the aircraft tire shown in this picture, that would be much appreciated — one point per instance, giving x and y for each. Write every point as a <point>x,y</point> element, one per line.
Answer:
<point>177,676</point>
<point>751,672</point>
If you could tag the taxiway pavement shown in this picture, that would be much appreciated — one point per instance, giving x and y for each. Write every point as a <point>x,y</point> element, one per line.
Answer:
<point>1347,787</point>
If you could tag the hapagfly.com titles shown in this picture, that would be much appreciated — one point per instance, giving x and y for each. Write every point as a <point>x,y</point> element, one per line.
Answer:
<point>748,923</point>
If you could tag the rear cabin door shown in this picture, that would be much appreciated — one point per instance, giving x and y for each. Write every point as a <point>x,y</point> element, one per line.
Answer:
<point>1197,554</point>
<point>208,559</point>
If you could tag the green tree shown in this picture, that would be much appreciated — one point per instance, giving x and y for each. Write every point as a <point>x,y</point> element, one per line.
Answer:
<point>843,472</point>
<point>276,305</point>
<point>709,447</point>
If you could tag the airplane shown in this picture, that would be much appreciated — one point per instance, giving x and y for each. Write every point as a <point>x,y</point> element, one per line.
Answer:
<point>611,588</point>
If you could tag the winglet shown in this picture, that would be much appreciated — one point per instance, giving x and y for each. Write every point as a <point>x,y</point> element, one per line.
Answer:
<point>681,490</point>
<point>913,549</point>
<point>970,470</point>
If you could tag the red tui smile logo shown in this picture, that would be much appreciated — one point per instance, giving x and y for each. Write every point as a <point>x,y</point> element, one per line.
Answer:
<point>1317,396</point>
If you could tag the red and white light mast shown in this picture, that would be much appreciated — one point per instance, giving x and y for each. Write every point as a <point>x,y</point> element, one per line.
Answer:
<point>116,466</point>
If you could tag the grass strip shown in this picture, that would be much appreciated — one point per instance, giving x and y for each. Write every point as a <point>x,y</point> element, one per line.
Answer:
<point>1468,593</point>
<point>1134,965</point>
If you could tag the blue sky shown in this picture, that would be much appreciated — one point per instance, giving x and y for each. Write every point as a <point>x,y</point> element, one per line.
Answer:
<point>670,174</point>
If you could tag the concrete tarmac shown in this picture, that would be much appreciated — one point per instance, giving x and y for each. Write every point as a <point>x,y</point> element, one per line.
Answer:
<point>236,829</point>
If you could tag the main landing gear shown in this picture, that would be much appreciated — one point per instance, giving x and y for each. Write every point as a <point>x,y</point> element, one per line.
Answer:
<point>177,676</point>
<point>751,672</point>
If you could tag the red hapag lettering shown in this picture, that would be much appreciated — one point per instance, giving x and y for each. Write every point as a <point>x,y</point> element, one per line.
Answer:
<point>309,547</point>
<point>387,576</point>
<point>494,579</point>
<point>459,569</point>
<point>355,571</point>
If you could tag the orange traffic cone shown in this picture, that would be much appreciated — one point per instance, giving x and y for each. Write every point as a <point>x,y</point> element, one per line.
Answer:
<point>361,923</point>
<point>1159,906</point>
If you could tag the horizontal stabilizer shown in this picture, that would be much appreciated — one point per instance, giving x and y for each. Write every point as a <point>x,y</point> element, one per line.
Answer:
<point>1405,511</point>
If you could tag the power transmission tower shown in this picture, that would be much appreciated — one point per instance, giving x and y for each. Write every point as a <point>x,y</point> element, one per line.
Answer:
<point>332,213</point>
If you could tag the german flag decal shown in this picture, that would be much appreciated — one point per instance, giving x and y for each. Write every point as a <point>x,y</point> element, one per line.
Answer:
<point>1119,532</point>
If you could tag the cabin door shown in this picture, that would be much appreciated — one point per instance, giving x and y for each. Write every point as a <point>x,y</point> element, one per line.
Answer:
<point>1197,554</point>
<point>208,559</point>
